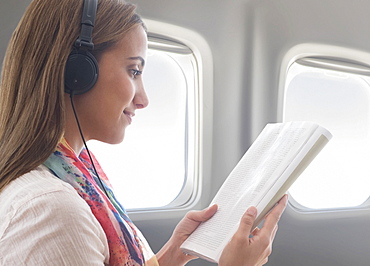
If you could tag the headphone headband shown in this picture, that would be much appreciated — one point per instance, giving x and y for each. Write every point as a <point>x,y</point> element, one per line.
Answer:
<point>87,25</point>
<point>81,71</point>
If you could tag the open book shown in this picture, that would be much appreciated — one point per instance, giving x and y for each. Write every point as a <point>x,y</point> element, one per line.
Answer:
<point>263,175</point>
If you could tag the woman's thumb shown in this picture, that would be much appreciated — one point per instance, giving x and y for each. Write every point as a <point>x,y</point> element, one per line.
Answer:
<point>248,219</point>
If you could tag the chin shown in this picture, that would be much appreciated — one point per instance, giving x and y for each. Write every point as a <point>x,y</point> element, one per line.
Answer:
<point>113,139</point>
<point>116,139</point>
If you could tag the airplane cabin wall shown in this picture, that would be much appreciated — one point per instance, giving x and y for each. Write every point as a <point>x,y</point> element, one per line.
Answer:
<point>249,40</point>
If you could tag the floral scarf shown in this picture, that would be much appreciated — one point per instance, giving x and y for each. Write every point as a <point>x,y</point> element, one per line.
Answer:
<point>126,244</point>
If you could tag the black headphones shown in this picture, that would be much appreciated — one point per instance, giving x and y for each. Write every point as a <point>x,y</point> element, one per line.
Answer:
<point>81,71</point>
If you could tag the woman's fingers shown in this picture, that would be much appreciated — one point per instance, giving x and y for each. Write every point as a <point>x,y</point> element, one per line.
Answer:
<point>273,217</point>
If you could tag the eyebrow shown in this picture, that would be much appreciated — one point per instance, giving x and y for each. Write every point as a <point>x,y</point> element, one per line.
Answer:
<point>138,58</point>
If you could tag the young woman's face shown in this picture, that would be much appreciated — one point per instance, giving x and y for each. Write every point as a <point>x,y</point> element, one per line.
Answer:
<point>109,107</point>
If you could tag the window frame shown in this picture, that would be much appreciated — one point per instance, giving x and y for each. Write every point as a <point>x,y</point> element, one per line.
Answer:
<point>170,45</point>
<point>347,59</point>
<point>193,195</point>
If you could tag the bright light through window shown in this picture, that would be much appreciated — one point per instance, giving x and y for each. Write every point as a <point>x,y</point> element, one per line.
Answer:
<point>149,168</point>
<point>339,176</point>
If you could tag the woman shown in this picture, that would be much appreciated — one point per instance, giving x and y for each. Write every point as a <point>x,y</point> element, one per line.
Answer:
<point>44,163</point>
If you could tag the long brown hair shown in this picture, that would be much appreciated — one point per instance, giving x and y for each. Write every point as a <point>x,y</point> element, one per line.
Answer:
<point>32,83</point>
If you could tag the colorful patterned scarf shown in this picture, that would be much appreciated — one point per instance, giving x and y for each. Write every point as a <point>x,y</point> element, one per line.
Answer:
<point>126,244</point>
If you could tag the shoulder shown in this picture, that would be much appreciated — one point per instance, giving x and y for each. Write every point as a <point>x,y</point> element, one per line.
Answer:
<point>39,190</point>
<point>41,212</point>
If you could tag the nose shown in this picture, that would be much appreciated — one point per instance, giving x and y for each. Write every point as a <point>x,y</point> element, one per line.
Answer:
<point>141,98</point>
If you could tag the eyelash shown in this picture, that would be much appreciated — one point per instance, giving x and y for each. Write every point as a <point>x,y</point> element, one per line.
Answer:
<point>136,72</point>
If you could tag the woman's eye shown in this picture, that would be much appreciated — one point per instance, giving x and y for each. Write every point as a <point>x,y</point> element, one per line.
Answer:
<point>135,72</point>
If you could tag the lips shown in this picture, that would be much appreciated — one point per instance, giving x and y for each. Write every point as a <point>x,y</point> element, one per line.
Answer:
<point>129,115</point>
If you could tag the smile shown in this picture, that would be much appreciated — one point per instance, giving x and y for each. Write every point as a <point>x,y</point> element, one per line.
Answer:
<point>129,116</point>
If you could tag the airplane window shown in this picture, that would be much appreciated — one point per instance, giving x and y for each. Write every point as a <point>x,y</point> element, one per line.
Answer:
<point>337,96</point>
<point>151,167</point>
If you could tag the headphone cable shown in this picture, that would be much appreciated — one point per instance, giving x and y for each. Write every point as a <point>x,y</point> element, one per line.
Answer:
<point>87,149</point>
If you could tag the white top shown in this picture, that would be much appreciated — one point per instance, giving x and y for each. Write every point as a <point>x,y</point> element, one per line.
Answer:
<point>45,222</point>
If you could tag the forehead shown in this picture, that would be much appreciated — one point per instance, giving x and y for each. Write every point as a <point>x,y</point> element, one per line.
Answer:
<point>134,43</point>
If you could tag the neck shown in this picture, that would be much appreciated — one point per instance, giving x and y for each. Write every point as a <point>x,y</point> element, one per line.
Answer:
<point>74,143</point>
<point>72,133</point>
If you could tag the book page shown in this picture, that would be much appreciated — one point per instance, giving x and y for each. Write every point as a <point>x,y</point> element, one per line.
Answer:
<point>248,183</point>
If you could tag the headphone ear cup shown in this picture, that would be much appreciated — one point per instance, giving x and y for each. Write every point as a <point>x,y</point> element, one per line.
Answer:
<point>81,72</point>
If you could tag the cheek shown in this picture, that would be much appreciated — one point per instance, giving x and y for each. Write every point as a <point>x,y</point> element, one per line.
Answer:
<point>115,89</point>
<point>125,93</point>
<point>117,86</point>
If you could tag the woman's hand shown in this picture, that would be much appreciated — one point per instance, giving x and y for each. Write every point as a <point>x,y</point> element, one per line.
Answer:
<point>243,250</point>
<point>171,254</point>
